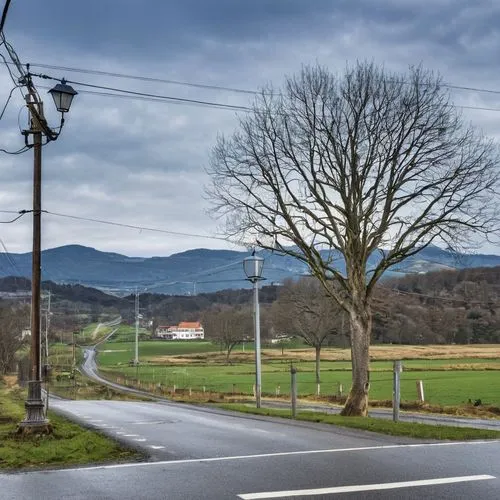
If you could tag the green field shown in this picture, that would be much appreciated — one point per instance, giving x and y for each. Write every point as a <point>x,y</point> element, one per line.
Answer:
<point>446,381</point>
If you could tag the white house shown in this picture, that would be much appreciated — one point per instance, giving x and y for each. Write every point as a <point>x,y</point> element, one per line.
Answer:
<point>185,330</point>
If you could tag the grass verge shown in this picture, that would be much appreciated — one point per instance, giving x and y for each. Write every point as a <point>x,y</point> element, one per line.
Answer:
<point>407,429</point>
<point>69,444</point>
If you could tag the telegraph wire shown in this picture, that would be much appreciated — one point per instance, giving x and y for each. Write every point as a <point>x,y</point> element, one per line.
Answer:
<point>154,96</point>
<point>152,99</point>
<point>133,226</point>
<point>209,86</point>
<point>4,14</point>
<point>144,78</point>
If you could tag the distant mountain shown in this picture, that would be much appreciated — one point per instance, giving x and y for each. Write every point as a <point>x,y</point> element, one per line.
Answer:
<point>195,271</point>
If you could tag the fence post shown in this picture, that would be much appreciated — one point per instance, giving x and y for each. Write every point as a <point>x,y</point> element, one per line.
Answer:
<point>293,390</point>
<point>318,389</point>
<point>278,390</point>
<point>396,394</point>
<point>340,390</point>
<point>420,391</point>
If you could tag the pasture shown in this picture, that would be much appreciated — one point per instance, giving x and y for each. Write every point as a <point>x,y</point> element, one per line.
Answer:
<point>452,375</point>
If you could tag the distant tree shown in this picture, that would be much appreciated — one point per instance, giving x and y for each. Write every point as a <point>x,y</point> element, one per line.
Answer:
<point>228,326</point>
<point>13,319</point>
<point>331,170</point>
<point>304,310</point>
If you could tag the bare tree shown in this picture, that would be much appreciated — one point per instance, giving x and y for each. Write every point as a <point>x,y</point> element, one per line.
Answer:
<point>303,309</point>
<point>362,170</point>
<point>12,321</point>
<point>228,326</point>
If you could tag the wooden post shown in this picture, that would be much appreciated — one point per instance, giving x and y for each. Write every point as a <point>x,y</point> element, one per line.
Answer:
<point>340,390</point>
<point>420,391</point>
<point>293,390</point>
<point>396,394</point>
<point>278,390</point>
<point>318,389</point>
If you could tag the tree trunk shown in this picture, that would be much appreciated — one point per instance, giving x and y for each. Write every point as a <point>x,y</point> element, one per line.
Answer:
<point>361,324</point>
<point>318,361</point>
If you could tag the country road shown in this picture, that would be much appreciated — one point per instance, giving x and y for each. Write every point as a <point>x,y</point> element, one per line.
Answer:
<point>206,453</point>
<point>199,453</point>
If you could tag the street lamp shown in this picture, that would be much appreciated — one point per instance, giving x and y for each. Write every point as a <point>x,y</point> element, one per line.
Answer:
<point>35,420</point>
<point>253,269</point>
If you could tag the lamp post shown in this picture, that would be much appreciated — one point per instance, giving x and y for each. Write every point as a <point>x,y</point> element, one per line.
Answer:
<point>35,420</point>
<point>253,269</point>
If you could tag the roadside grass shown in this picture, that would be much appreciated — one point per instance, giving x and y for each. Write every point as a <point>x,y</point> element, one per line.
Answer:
<point>84,388</point>
<point>407,429</point>
<point>69,444</point>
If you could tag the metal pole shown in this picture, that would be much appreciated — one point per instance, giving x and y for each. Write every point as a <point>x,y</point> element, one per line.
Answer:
<point>35,419</point>
<point>257,343</point>
<point>136,358</point>
<point>47,325</point>
<point>396,395</point>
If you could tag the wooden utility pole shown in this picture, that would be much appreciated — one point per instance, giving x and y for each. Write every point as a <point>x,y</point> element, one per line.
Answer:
<point>35,420</point>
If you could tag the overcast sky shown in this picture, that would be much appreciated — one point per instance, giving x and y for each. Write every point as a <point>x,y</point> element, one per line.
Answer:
<point>142,163</point>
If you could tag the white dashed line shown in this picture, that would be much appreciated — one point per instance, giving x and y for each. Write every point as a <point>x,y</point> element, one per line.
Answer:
<point>140,439</point>
<point>155,447</point>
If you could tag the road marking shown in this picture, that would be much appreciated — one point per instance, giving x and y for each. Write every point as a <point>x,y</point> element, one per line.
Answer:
<point>278,454</point>
<point>155,447</point>
<point>150,422</point>
<point>131,435</point>
<point>362,487</point>
<point>140,439</point>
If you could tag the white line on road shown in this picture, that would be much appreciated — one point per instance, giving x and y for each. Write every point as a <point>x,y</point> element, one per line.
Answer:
<point>155,447</point>
<point>362,487</point>
<point>278,454</point>
<point>140,439</point>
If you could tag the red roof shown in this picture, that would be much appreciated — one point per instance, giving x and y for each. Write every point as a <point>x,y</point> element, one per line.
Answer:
<point>188,324</point>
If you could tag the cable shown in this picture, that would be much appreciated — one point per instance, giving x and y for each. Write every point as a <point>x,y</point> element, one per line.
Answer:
<point>149,99</point>
<point>4,14</point>
<point>208,86</point>
<point>132,226</point>
<point>155,96</point>
<point>9,258</point>
<point>18,152</point>
<point>21,213</point>
<point>7,102</point>
<point>144,78</point>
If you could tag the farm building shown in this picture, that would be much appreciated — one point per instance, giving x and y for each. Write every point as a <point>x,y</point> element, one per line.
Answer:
<point>185,330</point>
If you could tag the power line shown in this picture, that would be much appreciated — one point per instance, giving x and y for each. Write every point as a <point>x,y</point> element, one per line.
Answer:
<point>133,226</point>
<point>144,78</point>
<point>154,96</point>
<point>150,99</point>
<point>4,14</point>
<point>209,86</point>
<point>21,213</point>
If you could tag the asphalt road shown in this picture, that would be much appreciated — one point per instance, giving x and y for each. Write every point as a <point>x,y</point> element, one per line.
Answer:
<point>211,454</point>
